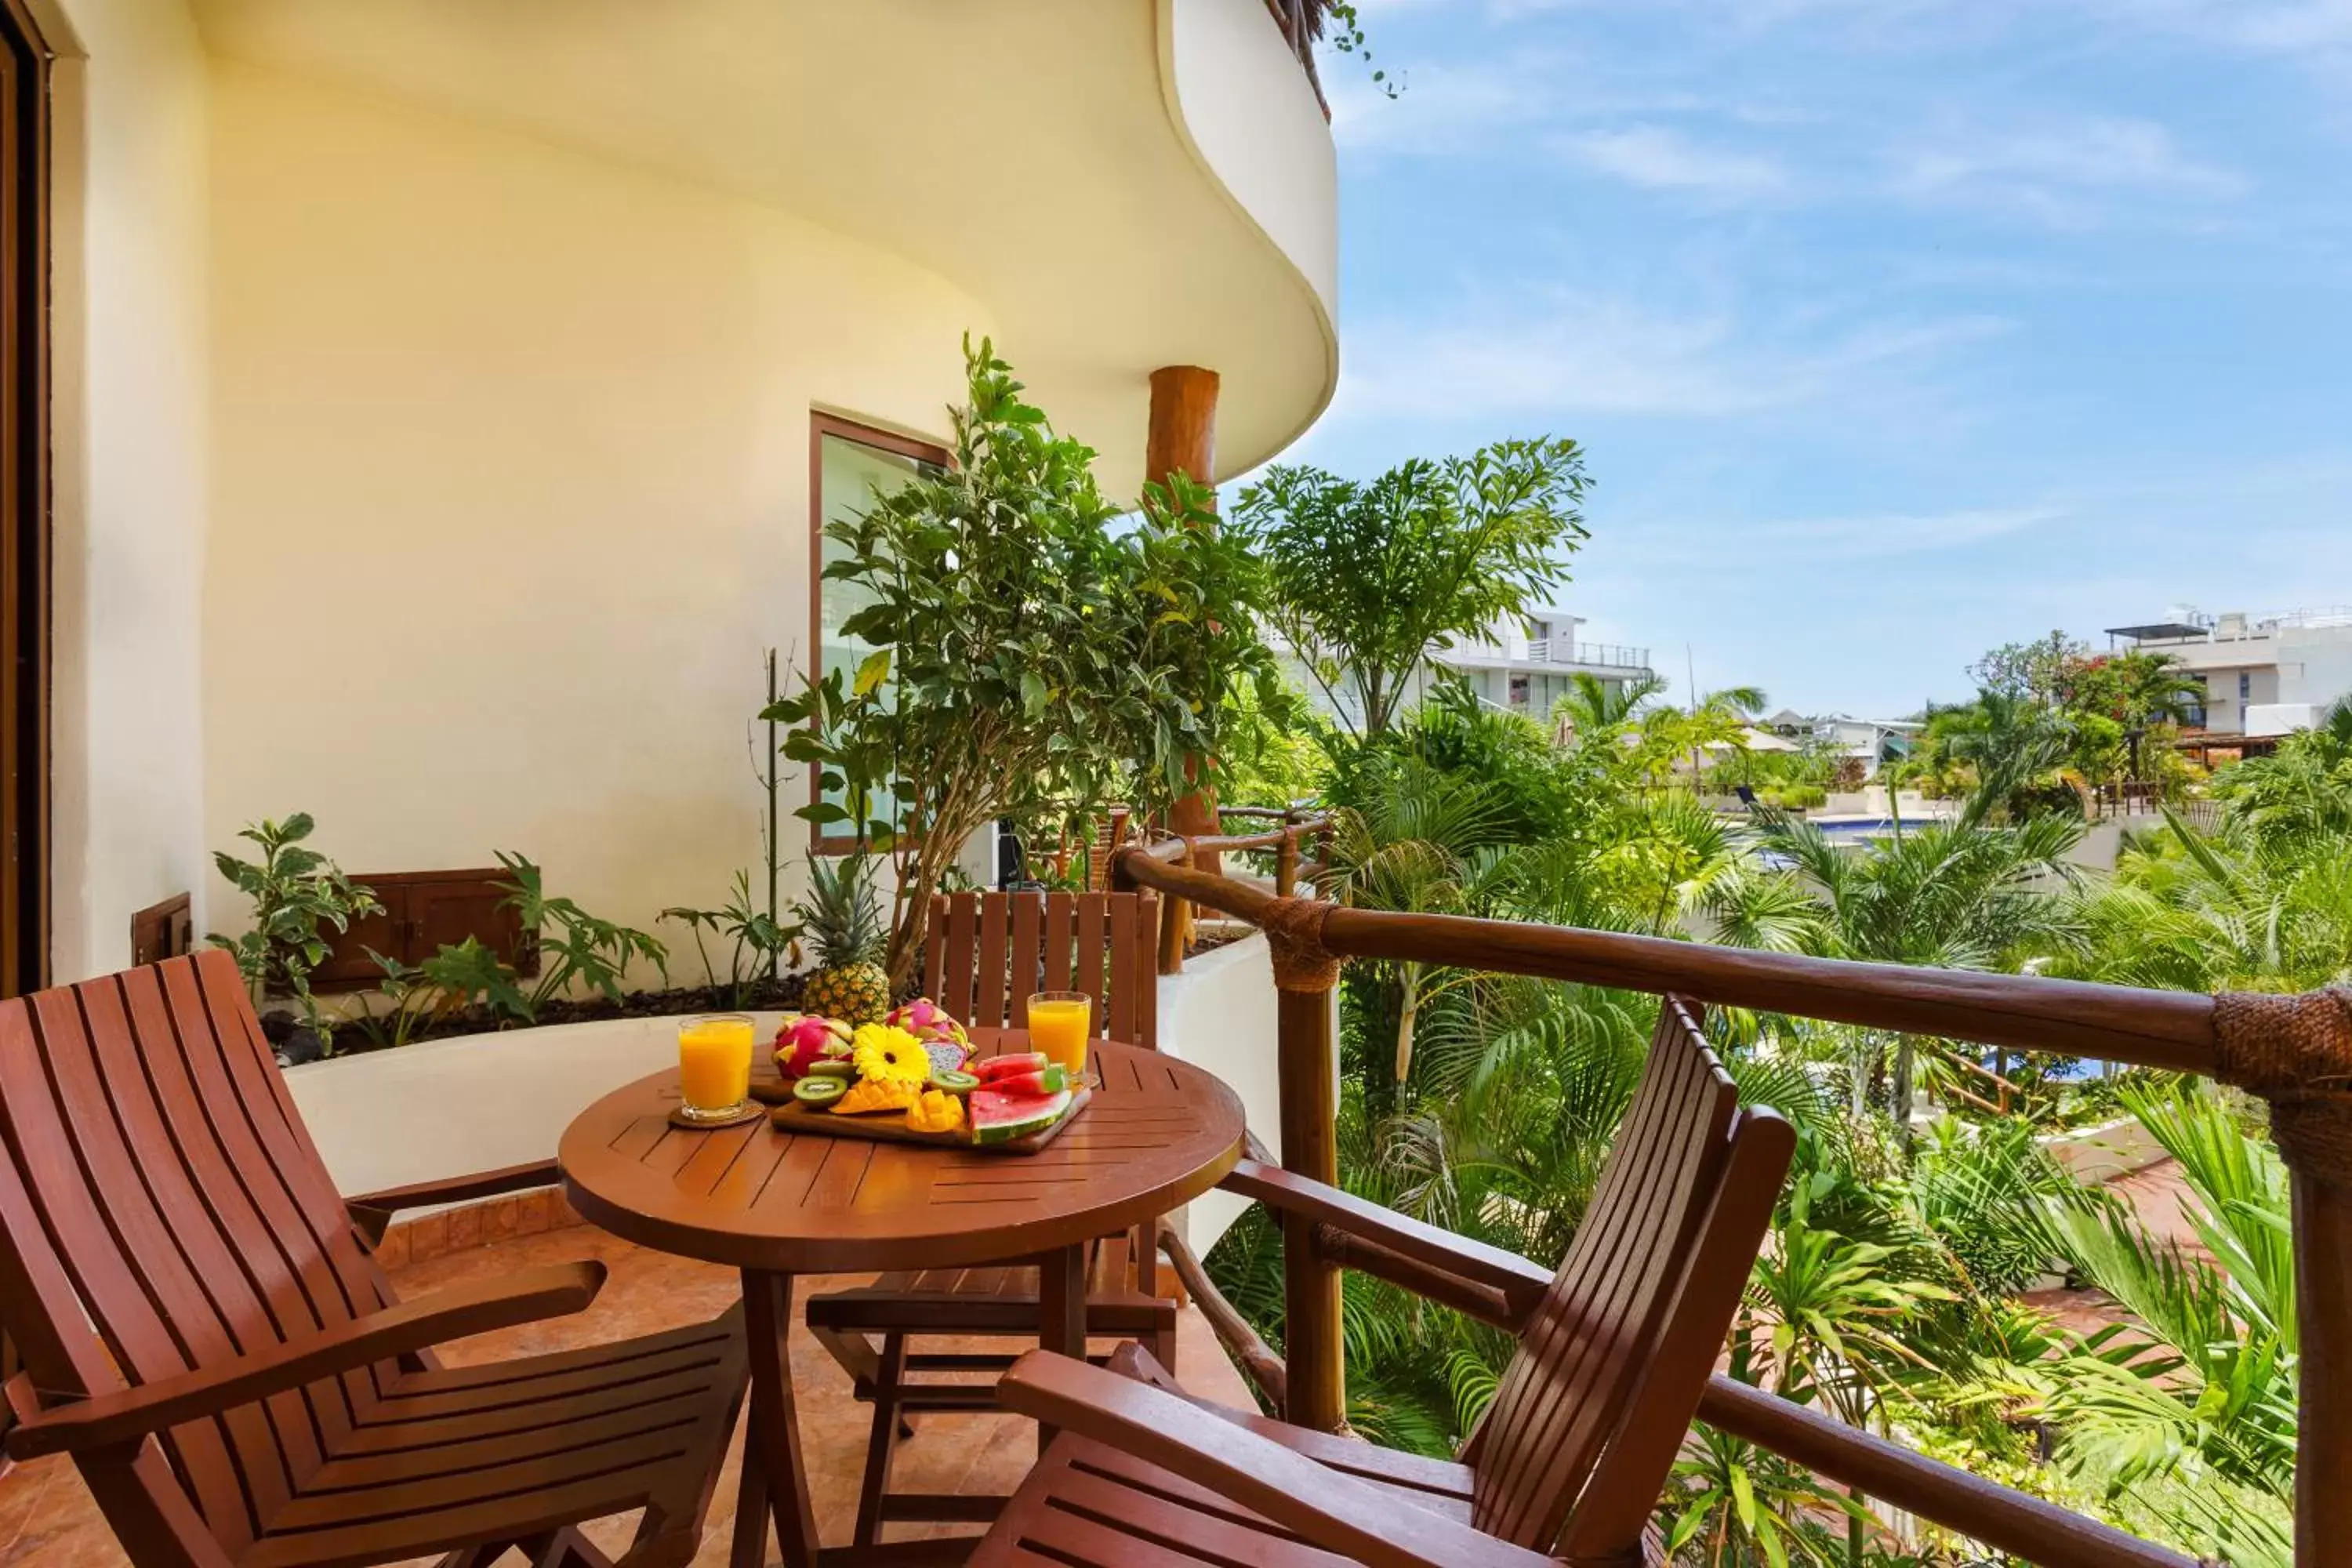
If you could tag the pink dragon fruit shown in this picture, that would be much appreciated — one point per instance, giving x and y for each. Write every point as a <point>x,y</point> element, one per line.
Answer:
<point>804,1039</point>
<point>943,1038</point>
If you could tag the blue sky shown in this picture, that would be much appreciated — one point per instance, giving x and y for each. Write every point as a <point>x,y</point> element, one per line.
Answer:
<point>1893,329</point>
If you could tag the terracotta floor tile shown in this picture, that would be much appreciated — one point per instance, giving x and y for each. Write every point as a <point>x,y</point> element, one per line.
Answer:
<point>48,1519</point>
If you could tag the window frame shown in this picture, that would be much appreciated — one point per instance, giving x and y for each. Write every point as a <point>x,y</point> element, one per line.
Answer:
<point>841,427</point>
<point>27,913</point>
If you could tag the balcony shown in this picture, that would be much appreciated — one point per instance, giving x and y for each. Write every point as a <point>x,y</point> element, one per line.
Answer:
<point>2290,1051</point>
<point>1612,657</point>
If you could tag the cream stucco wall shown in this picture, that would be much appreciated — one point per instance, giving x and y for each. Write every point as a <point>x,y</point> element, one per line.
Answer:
<point>510,486</point>
<point>129,416</point>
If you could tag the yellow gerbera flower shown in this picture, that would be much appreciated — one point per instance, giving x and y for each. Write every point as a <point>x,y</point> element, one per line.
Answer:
<point>889,1055</point>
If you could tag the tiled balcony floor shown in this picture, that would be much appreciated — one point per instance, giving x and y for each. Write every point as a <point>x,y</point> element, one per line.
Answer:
<point>47,1521</point>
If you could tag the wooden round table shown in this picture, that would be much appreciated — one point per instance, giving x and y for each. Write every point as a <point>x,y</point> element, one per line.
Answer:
<point>1157,1133</point>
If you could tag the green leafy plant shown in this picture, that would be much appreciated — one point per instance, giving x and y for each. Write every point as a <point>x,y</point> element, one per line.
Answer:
<point>1732,1504</point>
<point>758,943</point>
<point>295,891</point>
<point>1371,579</point>
<point>454,978</point>
<point>575,947</point>
<point>1027,649</point>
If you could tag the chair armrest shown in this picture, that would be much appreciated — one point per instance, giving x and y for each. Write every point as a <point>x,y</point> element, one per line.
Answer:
<point>1520,1282</point>
<point>371,1212</point>
<point>1329,1508</point>
<point>110,1420</point>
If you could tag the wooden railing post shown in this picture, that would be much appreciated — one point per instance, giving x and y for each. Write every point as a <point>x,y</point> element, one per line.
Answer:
<point>2296,1053</point>
<point>1175,924</point>
<point>1285,864</point>
<point>1307,1064</point>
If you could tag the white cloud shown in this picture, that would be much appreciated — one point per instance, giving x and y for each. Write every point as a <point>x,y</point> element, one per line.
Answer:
<point>2068,175</point>
<point>1660,159</point>
<point>1878,537</point>
<point>1560,354</point>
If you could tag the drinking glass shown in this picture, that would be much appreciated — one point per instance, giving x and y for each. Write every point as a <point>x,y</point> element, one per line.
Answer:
<point>1059,1022</point>
<point>714,1066</point>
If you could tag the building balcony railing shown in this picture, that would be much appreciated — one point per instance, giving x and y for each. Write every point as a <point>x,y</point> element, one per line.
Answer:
<point>2294,1052</point>
<point>1599,655</point>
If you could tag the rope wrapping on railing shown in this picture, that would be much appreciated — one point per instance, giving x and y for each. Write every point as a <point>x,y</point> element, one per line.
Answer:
<point>2296,1053</point>
<point>1294,936</point>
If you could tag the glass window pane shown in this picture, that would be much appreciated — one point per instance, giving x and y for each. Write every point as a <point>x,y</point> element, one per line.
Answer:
<point>850,475</point>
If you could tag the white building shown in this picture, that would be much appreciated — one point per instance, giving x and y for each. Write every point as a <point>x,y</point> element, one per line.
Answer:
<point>2265,675</point>
<point>1521,667</point>
<point>1872,742</point>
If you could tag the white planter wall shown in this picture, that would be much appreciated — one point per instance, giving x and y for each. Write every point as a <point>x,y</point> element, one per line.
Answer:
<point>450,1108</point>
<point>1220,1014</point>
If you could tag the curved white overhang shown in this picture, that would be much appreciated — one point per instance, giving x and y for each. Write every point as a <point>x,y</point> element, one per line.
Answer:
<point>1122,183</point>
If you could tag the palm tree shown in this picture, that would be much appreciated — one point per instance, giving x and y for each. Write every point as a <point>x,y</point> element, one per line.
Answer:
<point>2301,794</point>
<point>1591,708</point>
<point>1955,895</point>
<point>2150,690</point>
<point>2011,742</point>
<point>2200,1387</point>
<point>2252,907</point>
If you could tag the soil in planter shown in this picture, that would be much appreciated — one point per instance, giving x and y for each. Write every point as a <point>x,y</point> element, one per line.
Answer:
<point>781,995</point>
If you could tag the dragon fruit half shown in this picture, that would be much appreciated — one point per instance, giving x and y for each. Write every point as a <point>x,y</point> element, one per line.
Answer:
<point>804,1039</point>
<point>943,1038</point>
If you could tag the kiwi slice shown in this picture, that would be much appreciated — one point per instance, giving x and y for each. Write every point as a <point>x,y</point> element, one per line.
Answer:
<point>949,1081</point>
<point>838,1070</point>
<point>819,1090</point>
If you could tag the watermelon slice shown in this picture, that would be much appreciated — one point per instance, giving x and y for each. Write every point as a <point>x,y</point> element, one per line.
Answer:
<point>993,1068</point>
<point>1000,1118</point>
<point>1035,1082</point>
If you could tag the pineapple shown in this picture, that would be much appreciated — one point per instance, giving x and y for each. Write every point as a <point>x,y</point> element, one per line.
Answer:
<point>844,925</point>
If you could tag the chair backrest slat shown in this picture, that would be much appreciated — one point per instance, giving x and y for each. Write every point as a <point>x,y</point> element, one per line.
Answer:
<point>1028,912</point>
<point>256,1282</point>
<point>162,1209</point>
<point>1022,942</point>
<point>988,996</point>
<point>1116,1015</point>
<point>1094,915</point>
<point>1061,928</point>
<point>1624,1292</point>
<point>223,1046</point>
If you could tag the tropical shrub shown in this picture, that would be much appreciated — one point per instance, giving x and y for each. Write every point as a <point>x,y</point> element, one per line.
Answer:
<point>575,947</point>
<point>757,943</point>
<point>1030,651</point>
<point>295,891</point>
<point>1369,579</point>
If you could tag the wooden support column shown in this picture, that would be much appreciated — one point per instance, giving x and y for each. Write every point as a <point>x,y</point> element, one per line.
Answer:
<point>1307,1066</point>
<point>1182,438</point>
<point>2296,1053</point>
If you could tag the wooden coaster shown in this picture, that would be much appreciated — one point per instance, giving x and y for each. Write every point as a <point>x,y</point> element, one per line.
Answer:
<point>752,1110</point>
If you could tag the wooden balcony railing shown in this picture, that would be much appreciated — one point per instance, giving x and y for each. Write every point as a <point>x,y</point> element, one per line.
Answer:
<point>1292,827</point>
<point>2295,1052</point>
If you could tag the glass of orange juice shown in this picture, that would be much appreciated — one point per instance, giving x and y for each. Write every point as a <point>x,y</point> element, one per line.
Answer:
<point>714,1066</point>
<point>1059,1022</point>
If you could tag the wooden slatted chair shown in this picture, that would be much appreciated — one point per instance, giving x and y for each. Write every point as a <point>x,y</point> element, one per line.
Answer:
<point>205,1327</point>
<point>986,954</point>
<point>1614,1349</point>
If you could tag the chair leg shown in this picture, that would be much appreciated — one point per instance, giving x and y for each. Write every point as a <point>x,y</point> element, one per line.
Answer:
<point>478,1556</point>
<point>882,1446</point>
<point>564,1548</point>
<point>750,1543</point>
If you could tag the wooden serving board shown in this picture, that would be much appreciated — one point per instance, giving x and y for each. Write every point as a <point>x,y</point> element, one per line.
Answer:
<point>890,1127</point>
